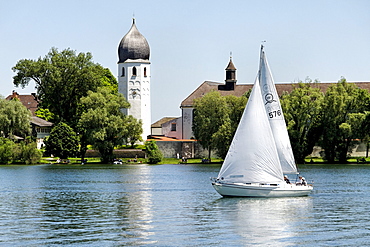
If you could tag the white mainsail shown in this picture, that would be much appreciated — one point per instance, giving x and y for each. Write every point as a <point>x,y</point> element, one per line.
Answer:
<point>252,156</point>
<point>276,117</point>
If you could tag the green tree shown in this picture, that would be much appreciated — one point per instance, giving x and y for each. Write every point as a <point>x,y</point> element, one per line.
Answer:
<point>353,129</point>
<point>28,152</point>
<point>340,101</point>
<point>302,112</point>
<point>14,119</point>
<point>44,114</point>
<point>7,148</point>
<point>224,136</point>
<point>211,121</point>
<point>102,123</point>
<point>153,153</point>
<point>236,107</point>
<point>136,128</point>
<point>62,142</point>
<point>366,132</point>
<point>61,79</point>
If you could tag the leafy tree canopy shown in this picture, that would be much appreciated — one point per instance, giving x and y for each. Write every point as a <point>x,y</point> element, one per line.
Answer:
<point>7,148</point>
<point>302,112</point>
<point>61,79</point>
<point>341,100</point>
<point>103,124</point>
<point>216,119</point>
<point>154,154</point>
<point>62,142</point>
<point>24,152</point>
<point>135,128</point>
<point>14,119</point>
<point>44,114</point>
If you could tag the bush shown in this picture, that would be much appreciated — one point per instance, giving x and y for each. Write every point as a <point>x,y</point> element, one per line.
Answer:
<point>29,153</point>
<point>154,154</point>
<point>24,152</point>
<point>62,142</point>
<point>7,148</point>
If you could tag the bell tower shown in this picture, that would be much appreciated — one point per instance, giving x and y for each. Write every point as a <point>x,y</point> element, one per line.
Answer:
<point>230,77</point>
<point>134,76</point>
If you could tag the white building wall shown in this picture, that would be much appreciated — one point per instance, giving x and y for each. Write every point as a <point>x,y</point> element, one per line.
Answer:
<point>187,123</point>
<point>136,90</point>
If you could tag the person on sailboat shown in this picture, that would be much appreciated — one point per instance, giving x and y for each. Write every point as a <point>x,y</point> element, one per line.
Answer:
<point>286,179</point>
<point>301,181</point>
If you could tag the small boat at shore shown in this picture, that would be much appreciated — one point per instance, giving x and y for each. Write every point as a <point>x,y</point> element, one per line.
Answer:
<point>260,153</point>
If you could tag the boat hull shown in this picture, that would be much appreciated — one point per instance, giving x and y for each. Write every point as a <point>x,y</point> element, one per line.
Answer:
<point>261,190</point>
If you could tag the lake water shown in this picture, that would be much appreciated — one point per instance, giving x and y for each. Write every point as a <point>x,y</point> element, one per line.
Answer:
<point>175,205</point>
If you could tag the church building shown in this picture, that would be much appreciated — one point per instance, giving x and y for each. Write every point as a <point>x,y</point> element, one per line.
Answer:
<point>134,84</point>
<point>181,127</point>
<point>134,76</point>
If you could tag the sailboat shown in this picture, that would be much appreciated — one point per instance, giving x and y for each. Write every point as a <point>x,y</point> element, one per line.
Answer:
<point>260,152</point>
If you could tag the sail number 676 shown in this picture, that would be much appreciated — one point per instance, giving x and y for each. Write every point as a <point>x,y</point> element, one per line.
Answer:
<point>275,114</point>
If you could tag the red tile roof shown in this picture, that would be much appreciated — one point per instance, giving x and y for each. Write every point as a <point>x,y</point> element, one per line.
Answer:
<point>169,139</point>
<point>28,100</point>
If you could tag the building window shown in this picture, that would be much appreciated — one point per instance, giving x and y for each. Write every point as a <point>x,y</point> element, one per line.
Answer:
<point>145,72</point>
<point>134,71</point>
<point>123,72</point>
<point>173,127</point>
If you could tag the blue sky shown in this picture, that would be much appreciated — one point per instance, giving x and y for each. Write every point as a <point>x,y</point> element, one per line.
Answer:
<point>191,40</point>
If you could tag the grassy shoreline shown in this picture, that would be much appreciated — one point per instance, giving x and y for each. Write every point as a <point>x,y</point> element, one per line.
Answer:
<point>174,161</point>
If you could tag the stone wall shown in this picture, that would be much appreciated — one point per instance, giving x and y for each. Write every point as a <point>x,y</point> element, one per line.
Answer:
<point>359,150</point>
<point>188,149</point>
<point>169,149</point>
<point>119,153</point>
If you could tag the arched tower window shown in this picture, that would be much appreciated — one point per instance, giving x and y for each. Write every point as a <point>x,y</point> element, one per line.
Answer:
<point>123,72</point>
<point>145,72</point>
<point>134,71</point>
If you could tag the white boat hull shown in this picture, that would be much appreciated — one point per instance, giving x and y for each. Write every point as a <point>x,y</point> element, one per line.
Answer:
<point>261,190</point>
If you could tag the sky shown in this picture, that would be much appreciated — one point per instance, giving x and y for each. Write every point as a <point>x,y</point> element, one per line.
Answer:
<point>191,40</point>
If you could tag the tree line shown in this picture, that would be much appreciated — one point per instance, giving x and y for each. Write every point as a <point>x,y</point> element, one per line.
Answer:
<point>80,97</point>
<point>334,120</point>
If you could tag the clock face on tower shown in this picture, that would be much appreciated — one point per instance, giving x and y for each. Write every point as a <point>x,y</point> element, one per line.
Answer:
<point>135,93</point>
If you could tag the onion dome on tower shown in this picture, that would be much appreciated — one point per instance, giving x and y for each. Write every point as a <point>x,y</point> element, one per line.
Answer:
<point>133,45</point>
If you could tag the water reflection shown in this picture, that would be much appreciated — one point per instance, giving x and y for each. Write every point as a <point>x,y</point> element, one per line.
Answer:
<point>79,208</point>
<point>266,222</point>
<point>174,205</point>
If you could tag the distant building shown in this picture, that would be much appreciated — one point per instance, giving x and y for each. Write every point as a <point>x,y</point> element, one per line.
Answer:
<point>40,127</point>
<point>169,127</point>
<point>229,87</point>
<point>30,101</point>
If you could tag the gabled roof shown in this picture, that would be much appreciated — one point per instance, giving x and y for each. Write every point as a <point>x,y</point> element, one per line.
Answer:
<point>209,86</point>
<point>159,123</point>
<point>28,100</point>
<point>40,122</point>
<point>240,89</point>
